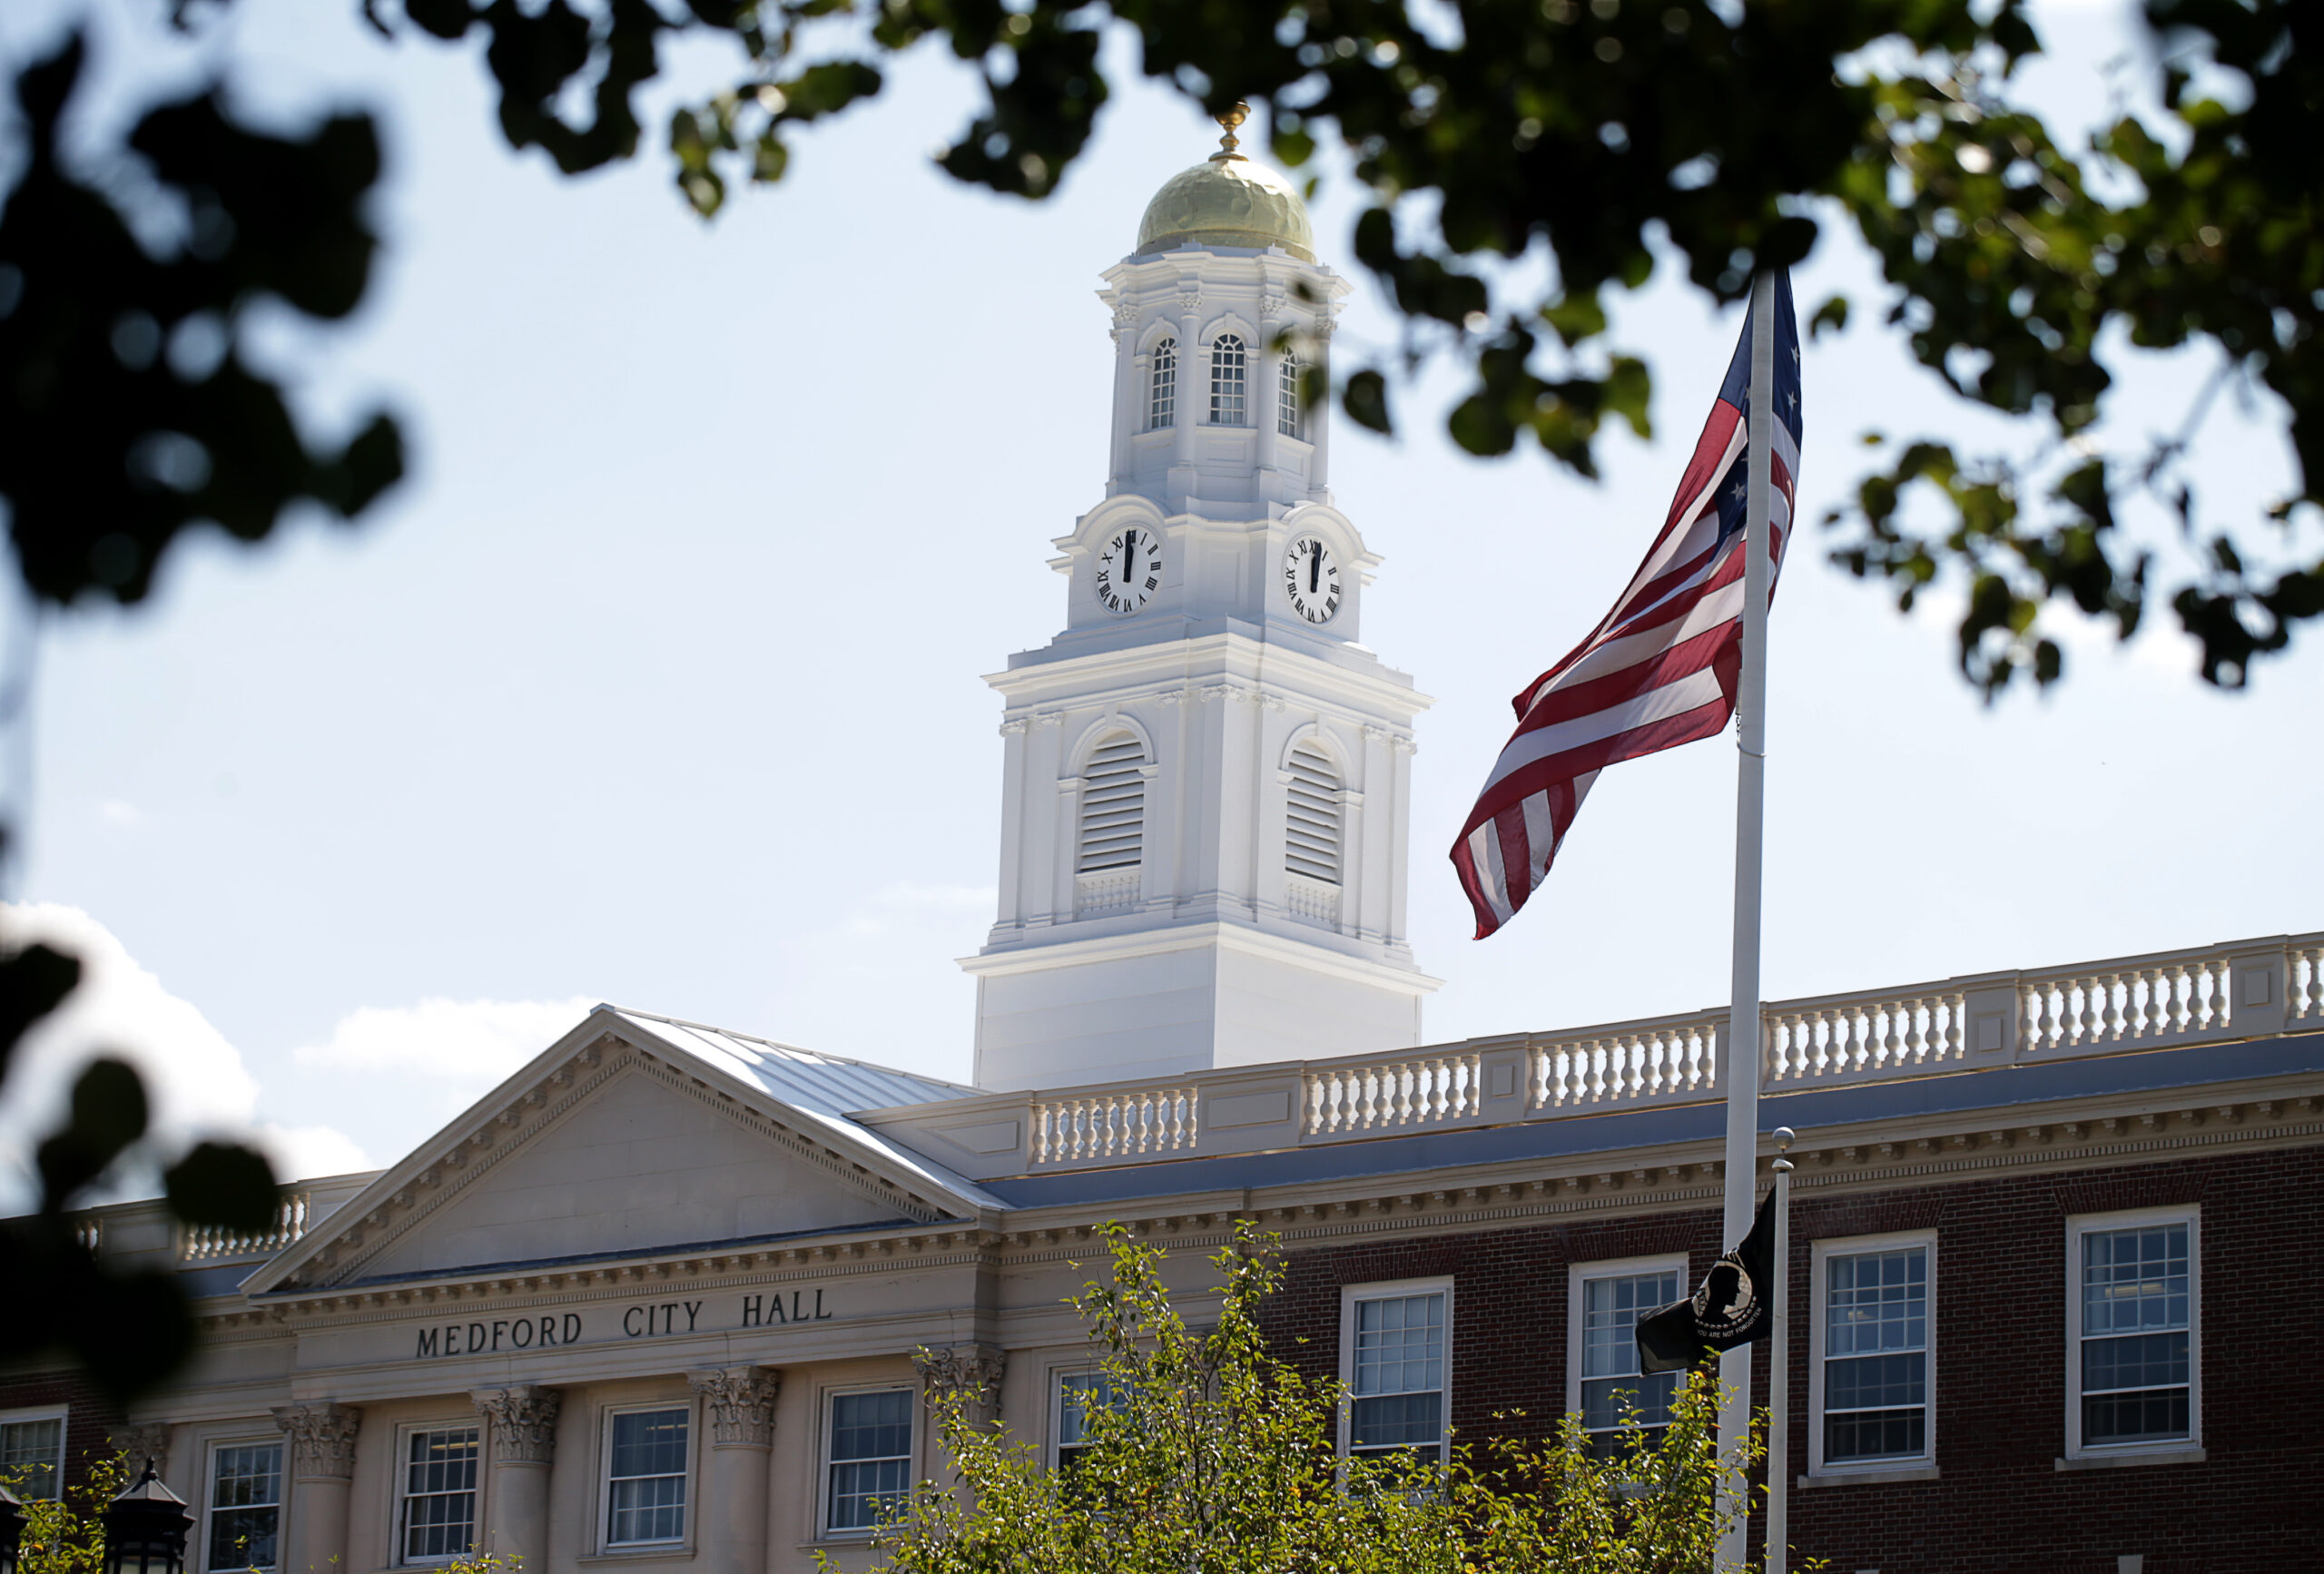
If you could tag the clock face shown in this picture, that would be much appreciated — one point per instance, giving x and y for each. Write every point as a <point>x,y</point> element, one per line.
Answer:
<point>1129,567</point>
<point>1311,576</point>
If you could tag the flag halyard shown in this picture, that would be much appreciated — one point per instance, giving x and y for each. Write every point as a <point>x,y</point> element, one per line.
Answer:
<point>1660,669</point>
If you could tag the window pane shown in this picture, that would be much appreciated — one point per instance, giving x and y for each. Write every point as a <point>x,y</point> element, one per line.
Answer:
<point>1610,1309</point>
<point>1397,1421</point>
<point>1400,1345</point>
<point>2134,1280</point>
<point>2156,1416</point>
<point>1605,1398</point>
<point>1080,1395</point>
<point>647,1499</point>
<point>31,1453</point>
<point>859,1492</point>
<point>439,1493</point>
<point>650,1444</point>
<point>245,1498</point>
<point>649,1509</point>
<point>1876,1355</point>
<point>1876,1434</point>
<point>1162,398</point>
<point>871,1425</point>
<point>1226,357</point>
<point>2146,1361</point>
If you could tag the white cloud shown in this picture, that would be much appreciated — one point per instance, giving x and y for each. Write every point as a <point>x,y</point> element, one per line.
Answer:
<point>195,1080</point>
<point>121,813</point>
<point>472,1044</point>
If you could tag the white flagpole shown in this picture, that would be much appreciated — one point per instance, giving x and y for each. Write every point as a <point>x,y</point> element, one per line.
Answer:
<point>1744,1050</point>
<point>1780,1367</point>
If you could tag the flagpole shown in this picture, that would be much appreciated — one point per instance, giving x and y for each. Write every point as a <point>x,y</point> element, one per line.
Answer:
<point>1778,1550</point>
<point>1741,1073</point>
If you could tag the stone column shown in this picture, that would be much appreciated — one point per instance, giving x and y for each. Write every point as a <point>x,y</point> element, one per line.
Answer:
<point>738,1412</point>
<point>522,1419</point>
<point>322,1463</point>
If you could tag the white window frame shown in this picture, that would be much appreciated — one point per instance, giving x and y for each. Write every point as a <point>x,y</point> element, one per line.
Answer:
<point>1389,1290</point>
<point>1578,1274</point>
<point>208,1490</point>
<point>62,1414</point>
<point>826,1408</point>
<point>2080,1226</point>
<point>601,1537</point>
<point>1056,1377</point>
<point>1818,1318</point>
<point>399,1486</point>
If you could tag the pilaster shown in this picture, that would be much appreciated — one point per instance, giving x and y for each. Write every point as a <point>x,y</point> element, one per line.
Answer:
<point>972,1372</point>
<point>522,1422</point>
<point>323,1464</point>
<point>738,1412</point>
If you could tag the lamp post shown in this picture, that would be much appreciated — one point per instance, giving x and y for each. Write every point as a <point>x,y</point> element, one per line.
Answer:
<point>145,1528</point>
<point>12,1529</point>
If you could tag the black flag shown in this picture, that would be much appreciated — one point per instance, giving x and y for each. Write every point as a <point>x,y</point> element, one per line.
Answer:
<point>1733,1307</point>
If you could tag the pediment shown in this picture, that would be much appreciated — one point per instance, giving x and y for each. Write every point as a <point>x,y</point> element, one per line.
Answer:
<point>607,1150</point>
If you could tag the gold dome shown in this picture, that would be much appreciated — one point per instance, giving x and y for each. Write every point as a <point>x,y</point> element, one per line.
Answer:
<point>1229,200</point>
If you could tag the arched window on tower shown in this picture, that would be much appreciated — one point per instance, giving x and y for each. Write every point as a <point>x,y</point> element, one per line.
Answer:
<point>1226,364</point>
<point>1162,388</point>
<point>1311,834</point>
<point>1288,412</point>
<point>1112,842</point>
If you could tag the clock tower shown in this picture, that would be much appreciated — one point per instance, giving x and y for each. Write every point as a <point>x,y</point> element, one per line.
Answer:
<point>1207,804</point>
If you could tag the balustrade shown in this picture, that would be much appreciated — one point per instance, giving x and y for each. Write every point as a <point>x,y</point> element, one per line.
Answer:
<point>1143,1124</point>
<point>1387,1095</point>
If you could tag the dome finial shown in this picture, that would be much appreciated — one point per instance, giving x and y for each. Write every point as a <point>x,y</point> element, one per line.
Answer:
<point>1228,122</point>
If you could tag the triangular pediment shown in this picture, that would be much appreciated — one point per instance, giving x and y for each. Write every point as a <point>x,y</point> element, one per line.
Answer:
<point>614,1144</point>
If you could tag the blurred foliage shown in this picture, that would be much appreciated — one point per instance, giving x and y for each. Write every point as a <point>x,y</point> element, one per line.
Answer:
<point>1205,1449</point>
<point>1583,131</point>
<point>65,1534</point>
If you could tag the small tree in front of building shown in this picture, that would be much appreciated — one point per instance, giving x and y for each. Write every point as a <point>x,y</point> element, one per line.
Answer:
<point>66,1533</point>
<point>1204,1452</point>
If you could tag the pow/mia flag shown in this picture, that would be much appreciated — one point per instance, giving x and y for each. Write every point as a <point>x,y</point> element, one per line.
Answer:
<point>1735,1305</point>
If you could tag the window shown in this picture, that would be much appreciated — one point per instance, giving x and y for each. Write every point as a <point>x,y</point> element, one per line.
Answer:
<point>245,1506</point>
<point>645,1477</point>
<point>870,1458</point>
<point>1226,363</point>
<point>2132,1307</point>
<point>1394,1348</point>
<point>1872,1381</point>
<point>437,1516</point>
<point>1162,388</point>
<point>1079,1396</point>
<point>32,1454</point>
<point>1289,417</point>
<point>1311,843</point>
<point>1604,1302</point>
<point>1113,806</point>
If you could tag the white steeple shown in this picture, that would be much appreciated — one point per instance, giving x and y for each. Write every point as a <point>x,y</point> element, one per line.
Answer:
<point>1206,811</point>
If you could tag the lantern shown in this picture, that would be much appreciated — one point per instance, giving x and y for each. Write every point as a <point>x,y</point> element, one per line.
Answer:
<point>145,1529</point>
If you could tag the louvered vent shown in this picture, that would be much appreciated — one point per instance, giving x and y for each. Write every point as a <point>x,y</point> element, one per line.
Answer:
<point>1311,842</point>
<point>1113,806</point>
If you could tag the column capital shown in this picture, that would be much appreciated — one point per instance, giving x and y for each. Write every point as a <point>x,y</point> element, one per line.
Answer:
<point>143,1440</point>
<point>322,1438</point>
<point>971,1370</point>
<point>739,1403</point>
<point>523,1421</point>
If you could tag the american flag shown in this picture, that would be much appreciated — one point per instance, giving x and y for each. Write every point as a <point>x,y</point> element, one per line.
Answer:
<point>1660,670</point>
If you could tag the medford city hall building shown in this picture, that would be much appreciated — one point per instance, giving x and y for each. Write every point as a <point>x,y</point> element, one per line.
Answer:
<point>674,1298</point>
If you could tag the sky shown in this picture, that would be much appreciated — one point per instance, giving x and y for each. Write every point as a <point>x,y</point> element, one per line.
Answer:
<point>637,691</point>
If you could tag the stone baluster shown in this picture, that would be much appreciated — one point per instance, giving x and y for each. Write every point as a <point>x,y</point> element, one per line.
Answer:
<point>738,1408</point>
<point>323,1465</point>
<point>522,1419</point>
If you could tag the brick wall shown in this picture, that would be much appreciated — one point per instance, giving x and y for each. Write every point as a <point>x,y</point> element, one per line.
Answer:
<point>2256,1501</point>
<point>88,1421</point>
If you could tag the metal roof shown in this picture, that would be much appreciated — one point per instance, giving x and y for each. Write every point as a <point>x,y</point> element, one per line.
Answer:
<point>823,1088</point>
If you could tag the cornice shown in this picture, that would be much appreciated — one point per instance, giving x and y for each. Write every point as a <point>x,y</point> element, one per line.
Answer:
<point>346,1243</point>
